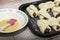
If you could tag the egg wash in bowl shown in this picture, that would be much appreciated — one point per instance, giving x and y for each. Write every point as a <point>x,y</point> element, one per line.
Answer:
<point>8,13</point>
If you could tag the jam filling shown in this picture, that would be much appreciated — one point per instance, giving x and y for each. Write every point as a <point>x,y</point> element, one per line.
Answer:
<point>57,15</point>
<point>47,30</point>
<point>34,14</point>
<point>59,5</point>
<point>45,18</point>
<point>58,28</point>
<point>49,9</point>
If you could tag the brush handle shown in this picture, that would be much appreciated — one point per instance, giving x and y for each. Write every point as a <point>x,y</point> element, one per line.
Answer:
<point>3,27</point>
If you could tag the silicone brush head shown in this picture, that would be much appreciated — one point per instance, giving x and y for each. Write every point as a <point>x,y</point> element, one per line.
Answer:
<point>12,21</point>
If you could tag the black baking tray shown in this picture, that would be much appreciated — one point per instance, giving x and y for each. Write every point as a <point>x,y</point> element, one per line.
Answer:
<point>32,21</point>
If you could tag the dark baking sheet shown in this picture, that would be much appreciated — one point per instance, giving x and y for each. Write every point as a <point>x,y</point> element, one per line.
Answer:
<point>32,21</point>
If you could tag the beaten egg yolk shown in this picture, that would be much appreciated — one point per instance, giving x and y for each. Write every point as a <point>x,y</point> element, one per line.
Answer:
<point>9,28</point>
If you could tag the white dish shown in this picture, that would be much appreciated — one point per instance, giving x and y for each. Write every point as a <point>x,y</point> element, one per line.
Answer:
<point>16,14</point>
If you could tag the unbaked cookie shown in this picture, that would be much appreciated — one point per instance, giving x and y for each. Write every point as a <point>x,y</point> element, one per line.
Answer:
<point>43,26</point>
<point>33,11</point>
<point>54,24</point>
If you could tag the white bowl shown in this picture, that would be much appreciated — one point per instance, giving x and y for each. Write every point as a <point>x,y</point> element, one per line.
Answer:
<point>16,14</point>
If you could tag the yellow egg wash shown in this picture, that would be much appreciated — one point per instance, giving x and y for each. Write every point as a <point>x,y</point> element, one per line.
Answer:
<point>9,28</point>
<point>3,22</point>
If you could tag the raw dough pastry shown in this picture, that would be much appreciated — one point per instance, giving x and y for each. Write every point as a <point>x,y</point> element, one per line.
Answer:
<point>57,2</point>
<point>32,7</point>
<point>51,4</point>
<point>54,23</point>
<point>44,26</point>
<point>56,11</point>
<point>32,10</point>
<point>44,14</point>
<point>44,6</point>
